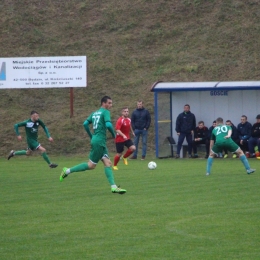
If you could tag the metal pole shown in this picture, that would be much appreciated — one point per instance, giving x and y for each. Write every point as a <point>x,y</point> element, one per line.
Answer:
<point>71,102</point>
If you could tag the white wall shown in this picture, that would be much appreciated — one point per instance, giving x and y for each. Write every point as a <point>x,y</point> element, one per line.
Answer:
<point>208,108</point>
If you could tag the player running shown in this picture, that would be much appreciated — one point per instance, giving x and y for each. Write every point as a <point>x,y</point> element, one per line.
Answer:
<point>101,121</point>
<point>220,140</point>
<point>123,127</point>
<point>31,128</point>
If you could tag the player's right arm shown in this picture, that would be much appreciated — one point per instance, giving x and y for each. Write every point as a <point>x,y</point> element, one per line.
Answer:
<point>118,127</point>
<point>16,129</point>
<point>120,133</point>
<point>211,144</point>
<point>212,140</point>
<point>178,124</point>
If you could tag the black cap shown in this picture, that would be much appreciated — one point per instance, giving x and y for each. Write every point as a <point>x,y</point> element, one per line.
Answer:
<point>258,116</point>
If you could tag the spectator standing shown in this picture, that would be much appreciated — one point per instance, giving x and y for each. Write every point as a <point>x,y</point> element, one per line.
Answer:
<point>140,121</point>
<point>200,137</point>
<point>244,130</point>
<point>255,138</point>
<point>185,126</point>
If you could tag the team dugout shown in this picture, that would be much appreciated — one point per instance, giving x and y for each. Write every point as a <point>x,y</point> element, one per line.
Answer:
<point>207,100</point>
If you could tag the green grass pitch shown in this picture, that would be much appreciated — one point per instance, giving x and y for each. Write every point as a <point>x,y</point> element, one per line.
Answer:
<point>173,212</point>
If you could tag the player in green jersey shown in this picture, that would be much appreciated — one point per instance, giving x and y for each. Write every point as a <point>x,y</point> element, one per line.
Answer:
<point>221,140</point>
<point>100,121</point>
<point>31,128</point>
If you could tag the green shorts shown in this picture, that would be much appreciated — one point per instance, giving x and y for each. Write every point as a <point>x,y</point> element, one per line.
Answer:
<point>32,144</point>
<point>230,146</point>
<point>97,152</point>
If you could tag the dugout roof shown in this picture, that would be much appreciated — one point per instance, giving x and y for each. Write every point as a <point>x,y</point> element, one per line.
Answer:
<point>205,86</point>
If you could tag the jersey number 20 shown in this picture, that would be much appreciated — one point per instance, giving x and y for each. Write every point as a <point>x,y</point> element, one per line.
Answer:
<point>222,129</point>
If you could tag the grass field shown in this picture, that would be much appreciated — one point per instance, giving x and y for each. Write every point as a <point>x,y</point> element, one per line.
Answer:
<point>173,212</point>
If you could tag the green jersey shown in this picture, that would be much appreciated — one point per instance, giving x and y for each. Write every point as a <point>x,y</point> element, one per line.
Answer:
<point>98,119</point>
<point>31,129</point>
<point>219,133</point>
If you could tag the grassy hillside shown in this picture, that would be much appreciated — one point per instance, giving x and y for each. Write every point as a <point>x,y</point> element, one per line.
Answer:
<point>129,45</point>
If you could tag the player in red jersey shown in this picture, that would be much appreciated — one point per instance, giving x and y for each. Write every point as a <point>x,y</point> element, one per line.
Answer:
<point>123,127</point>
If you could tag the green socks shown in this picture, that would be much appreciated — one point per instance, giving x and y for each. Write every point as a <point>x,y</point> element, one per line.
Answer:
<point>44,155</point>
<point>110,176</point>
<point>46,158</point>
<point>79,168</point>
<point>22,152</point>
<point>84,166</point>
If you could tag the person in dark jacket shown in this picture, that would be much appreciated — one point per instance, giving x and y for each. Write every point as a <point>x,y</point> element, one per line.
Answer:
<point>255,138</point>
<point>214,124</point>
<point>200,137</point>
<point>234,137</point>
<point>140,121</point>
<point>244,133</point>
<point>211,129</point>
<point>185,126</point>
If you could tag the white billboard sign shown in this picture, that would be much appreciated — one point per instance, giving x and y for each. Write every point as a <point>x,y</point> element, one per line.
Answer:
<point>43,72</point>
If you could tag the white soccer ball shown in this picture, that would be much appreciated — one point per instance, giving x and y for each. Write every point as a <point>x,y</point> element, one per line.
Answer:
<point>152,165</point>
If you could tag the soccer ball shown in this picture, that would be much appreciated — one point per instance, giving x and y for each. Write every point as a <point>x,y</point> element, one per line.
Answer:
<point>152,165</point>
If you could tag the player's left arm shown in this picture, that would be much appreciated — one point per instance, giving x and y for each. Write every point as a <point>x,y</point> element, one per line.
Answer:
<point>86,126</point>
<point>46,130</point>
<point>148,120</point>
<point>132,130</point>
<point>229,134</point>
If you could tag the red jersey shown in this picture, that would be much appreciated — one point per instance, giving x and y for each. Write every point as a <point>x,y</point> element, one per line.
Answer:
<point>123,124</point>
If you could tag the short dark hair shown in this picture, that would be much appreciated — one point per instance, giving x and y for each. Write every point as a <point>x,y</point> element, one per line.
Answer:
<point>201,122</point>
<point>219,120</point>
<point>228,121</point>
<point>34,112</point>
<point>104,99</point>
<point>187,105</point>
<point>244,116</point>
<point>214,122</point>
